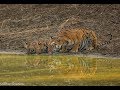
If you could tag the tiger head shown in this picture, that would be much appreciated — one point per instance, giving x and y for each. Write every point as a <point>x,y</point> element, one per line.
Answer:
<point>36,47</point>
<point>29,46</point>
<point>55,44</point>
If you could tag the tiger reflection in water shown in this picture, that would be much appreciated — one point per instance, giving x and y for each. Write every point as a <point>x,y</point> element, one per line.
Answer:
<point>64,64</point>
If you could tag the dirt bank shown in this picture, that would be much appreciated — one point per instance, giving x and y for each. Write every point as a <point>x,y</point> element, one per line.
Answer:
<point>95,55</point>
<point>26,22</point>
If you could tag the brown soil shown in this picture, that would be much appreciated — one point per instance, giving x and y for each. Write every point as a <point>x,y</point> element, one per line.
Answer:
<point>33,21</point>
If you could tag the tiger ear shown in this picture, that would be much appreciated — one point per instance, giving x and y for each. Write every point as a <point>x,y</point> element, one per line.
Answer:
<point>91,32</point>
<point>25,44</point>
<point>58,40</point>
<point>64,33</point>
<point>88,34</point>
<point>39,43</point>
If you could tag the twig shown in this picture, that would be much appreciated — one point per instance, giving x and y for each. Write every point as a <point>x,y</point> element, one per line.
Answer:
<point>63,24</point>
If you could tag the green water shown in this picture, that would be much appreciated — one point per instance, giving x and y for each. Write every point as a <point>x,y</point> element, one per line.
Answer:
<point>58,70</point>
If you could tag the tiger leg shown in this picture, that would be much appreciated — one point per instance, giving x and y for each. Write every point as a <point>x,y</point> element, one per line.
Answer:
<point>89,45</point>
<point>75,48</point>
<point>63,49</point>
<point>94,40</point>
<point>92,46</point>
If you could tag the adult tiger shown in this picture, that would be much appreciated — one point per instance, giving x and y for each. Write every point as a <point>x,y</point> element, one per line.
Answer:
<point>73,41</point>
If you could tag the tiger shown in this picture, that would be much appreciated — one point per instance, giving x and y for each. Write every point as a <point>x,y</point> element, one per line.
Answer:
<point>36,47</point>
<point>73,41</point>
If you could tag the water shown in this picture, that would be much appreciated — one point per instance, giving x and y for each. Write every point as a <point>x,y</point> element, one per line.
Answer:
<point>59,70</point>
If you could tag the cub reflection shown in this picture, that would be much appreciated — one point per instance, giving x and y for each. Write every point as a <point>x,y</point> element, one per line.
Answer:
<point>64,64</point>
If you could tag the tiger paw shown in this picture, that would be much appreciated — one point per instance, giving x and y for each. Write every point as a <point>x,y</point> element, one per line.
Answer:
<point>74,51</point>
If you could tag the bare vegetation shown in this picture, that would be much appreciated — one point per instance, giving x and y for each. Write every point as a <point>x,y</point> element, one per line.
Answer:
<point>28,22</point>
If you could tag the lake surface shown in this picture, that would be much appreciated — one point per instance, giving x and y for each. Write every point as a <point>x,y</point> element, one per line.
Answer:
<point>58,70</point>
